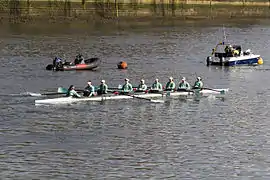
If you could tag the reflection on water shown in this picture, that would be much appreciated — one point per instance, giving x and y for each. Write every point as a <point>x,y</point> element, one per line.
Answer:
<point>182,138</point>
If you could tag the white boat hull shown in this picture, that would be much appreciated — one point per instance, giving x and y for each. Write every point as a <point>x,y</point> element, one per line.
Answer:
<point>67,100</point>
<point>239,60</point>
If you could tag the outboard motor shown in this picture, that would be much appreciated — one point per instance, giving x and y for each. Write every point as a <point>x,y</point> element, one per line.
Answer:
<point>49,67</point>
<point>208,60</point>
<point>221,60</point>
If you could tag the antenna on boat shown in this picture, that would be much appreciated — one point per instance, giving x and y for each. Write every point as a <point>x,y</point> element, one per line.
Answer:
<point>224,35</point>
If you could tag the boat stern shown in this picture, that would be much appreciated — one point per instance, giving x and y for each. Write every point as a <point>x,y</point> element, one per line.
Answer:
<point>246,60</point>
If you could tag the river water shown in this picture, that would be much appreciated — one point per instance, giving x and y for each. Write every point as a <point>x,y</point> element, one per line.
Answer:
<point>207,138</point>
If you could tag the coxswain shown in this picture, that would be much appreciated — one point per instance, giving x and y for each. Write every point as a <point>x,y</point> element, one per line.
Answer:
<point>142,86</point>
<point>183,85</point>
<point>170,86</point>
<point>72,93</point>
<point>89,90</point>
<point>156,86</point>
<point>103,88</point>
<point>198,84</point>
<point>127,87</point>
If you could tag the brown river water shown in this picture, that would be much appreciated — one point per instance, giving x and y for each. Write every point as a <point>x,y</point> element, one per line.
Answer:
<point>207,138</point>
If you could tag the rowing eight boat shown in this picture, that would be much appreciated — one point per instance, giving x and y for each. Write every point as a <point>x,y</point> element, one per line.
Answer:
<point>67,100</point>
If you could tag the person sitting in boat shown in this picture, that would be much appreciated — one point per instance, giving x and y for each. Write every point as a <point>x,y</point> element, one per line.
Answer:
<point>183,85</point>
<point>170,86</point>
<point>142,86</point>
<point>247,52</point>
<point>127,87</point>
<point>156,87</point>
<point>79,59</point>
<point>89,90</point>
<point>72,93</point>
<point>198,84</point>
<point>235,52</point>
<point>103,88</point>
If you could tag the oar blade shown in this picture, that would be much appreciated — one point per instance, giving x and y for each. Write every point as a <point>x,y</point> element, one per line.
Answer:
<point>157,101</point>
<point>222,92</point>
<point>62,90</point>
<point>34,94</point>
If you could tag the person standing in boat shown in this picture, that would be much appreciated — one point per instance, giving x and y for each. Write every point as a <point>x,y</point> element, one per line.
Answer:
<point>142,86</point>
<point>72,93</point>
<point>183,85</point>
<point>103,88</point>
<point>156,86</point>
<point>58,63</point>
<point>170,86</point>
<point>229,50</point>
<point>89,90</point>
<point>127,87</point>
<point>198,84</point>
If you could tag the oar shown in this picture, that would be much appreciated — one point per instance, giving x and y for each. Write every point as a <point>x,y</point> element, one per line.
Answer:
<point>65,90</point>
<point>221,92</point>
<point>184,90</point>
<point>44,94</point>
<point>147,99</point>
<point>59,92</point>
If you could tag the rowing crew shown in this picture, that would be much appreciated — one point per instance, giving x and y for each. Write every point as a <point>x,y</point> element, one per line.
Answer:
<point>89,90</point>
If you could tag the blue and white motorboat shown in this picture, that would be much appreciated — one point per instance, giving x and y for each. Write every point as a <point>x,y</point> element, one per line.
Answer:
<point>221,57</point>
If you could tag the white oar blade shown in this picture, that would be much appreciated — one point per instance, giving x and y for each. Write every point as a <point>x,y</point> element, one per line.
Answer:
<point>34,94</point>
<point>157,101</point>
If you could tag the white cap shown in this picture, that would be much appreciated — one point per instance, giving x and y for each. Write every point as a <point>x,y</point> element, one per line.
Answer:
<point>171,78</point>
<point>183,78</point>
<point>142,80</point>
<point>103,81</point>
<point>156,80</point>
<point>126,79</point>
<point>199,78</point>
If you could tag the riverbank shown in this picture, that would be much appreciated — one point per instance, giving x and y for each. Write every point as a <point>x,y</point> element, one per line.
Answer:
<point>76,10</point>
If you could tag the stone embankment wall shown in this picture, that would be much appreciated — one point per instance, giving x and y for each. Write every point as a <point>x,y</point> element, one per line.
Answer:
<point>25,10</point>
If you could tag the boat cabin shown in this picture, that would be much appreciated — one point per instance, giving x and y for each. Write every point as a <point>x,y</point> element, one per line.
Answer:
<point>224,50</point>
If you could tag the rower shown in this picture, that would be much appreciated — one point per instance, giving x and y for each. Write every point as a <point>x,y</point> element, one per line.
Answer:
<point>142,86</point>
<point>103,88</point>
<point>198,84</point>
<point>170,86</point>
<point>72,93</point>
<point>156,87</point>
<point>89,90</point>
<point>127,87</point>
<point>183,85</point>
